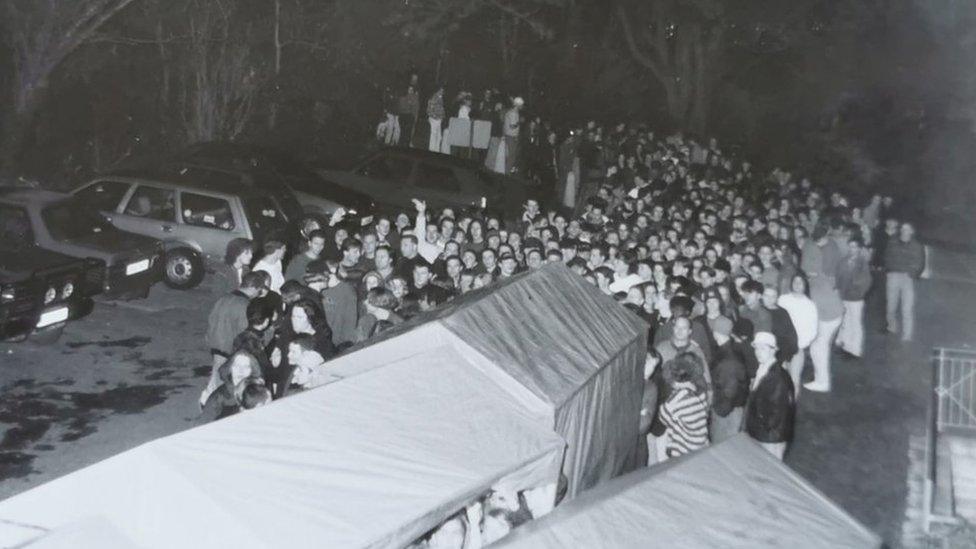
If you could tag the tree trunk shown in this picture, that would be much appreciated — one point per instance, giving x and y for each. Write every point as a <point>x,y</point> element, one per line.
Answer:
<point>19,120</point>
<point>273,107</point>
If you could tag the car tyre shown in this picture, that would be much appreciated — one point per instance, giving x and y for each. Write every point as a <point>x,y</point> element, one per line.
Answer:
<point>182,269</point>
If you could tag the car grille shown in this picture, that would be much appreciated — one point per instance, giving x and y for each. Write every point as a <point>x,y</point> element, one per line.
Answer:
<point>94,278</point>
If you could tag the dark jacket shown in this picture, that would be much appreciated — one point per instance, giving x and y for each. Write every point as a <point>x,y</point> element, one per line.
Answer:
<point>226,279</point>
<point>771,407</point>
<point>904,257</point>
<point>252,342</point>
<point>228,318</point>
<point>730,380</point>
<point>785,332</point>
<point>854,278</point>
<point>341,312</point>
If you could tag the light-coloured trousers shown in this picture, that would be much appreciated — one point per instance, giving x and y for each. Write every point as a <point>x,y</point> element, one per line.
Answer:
<point>900,290</point>
<point>851,335</point>
<point>820,350</point>
<point>796,369</point>
<point>435,134</point>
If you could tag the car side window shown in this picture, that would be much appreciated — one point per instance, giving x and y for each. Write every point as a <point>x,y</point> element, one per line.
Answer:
<point>388,168</point>
<point>437,178</point>
<point>152,203</point>
<point>206,211</point>
<point>15,228</point>
<point>103,195</point>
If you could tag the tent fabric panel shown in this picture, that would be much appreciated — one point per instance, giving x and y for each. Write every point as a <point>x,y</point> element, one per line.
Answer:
<point>394,452</point>
<point>600,423</point>
<point>416,341</point>
<point>135,492</point>
<point>734,494</point>
<point>91,532</point>
<point>374,460</point>
<point>549,329</point>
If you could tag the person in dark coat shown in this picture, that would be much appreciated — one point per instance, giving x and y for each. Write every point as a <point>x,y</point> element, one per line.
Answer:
<point>771,407</point>
<point>302,317</point>
<point>781,324</point>
<point>730,381</point>
<point>228,318</point>
<point>229,274</point>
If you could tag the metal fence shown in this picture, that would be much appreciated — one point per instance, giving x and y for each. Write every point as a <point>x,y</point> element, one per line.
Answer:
<point>952,410</point>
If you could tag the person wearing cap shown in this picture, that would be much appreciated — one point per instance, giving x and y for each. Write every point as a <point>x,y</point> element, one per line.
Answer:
<point>507,266</point>
<point>771,407</point>
<point>730,380</point>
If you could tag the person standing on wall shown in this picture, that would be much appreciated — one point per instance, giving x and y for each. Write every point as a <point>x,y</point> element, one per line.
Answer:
<point>435,116</point>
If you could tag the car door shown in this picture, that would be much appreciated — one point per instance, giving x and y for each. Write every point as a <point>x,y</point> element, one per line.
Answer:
<point>210,221</point>
<point>148,210</point>
<point>440,186</point>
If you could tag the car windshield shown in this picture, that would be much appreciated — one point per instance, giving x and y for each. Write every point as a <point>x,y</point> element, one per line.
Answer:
<point>69,220</point>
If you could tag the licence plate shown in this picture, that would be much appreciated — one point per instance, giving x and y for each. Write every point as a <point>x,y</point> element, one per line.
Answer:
<point>137,267</point>
<point>53,317</point>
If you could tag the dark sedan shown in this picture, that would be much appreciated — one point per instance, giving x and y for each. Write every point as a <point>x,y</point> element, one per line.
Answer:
<point>394,176</point>
<point>129,263</point>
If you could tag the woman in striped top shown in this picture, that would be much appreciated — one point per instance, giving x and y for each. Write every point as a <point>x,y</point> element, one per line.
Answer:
<point>685,412</point>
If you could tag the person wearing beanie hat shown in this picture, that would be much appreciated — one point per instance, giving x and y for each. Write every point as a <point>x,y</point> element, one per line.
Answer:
<point>771,407</point>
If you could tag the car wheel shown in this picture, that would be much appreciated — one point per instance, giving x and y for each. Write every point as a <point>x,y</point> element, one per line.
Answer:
<point>183,269</point>
<point>49,336</point>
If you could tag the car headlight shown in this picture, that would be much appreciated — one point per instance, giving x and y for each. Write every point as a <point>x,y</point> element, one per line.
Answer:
<point>50,295</point>
<point>67,290</point>
<point>7,294</point>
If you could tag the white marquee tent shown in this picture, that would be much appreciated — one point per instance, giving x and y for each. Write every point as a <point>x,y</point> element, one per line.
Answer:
<point>560,348</point>
<point>374,461</point>
<point>731,495</point>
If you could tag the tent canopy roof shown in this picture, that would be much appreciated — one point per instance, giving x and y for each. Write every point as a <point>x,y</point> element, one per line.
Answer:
<point>549,329</point>
<point>376,460</point>
<point>734,494</point>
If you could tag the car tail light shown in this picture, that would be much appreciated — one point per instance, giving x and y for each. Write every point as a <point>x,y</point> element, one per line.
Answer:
<point>7,293</point>
<point>50,295</point>
<point>67,290</point>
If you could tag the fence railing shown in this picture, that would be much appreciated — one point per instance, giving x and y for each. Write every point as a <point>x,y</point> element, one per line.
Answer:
<point>952,410</point>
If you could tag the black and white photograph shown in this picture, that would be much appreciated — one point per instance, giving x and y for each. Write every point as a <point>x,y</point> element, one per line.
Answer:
<point>460,274</point>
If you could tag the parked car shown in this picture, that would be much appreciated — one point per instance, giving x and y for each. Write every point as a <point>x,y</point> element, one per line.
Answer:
<point>194,219</point>
<point>394,176</point>
<point>61,223</point>
<point>278,171</point>
<point>40,290</point>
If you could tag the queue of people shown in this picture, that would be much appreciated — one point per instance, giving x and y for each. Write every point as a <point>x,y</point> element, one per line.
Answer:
<point>740,277</point>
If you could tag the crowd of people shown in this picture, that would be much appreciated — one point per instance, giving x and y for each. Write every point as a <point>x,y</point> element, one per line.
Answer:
<point>741,277</point>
